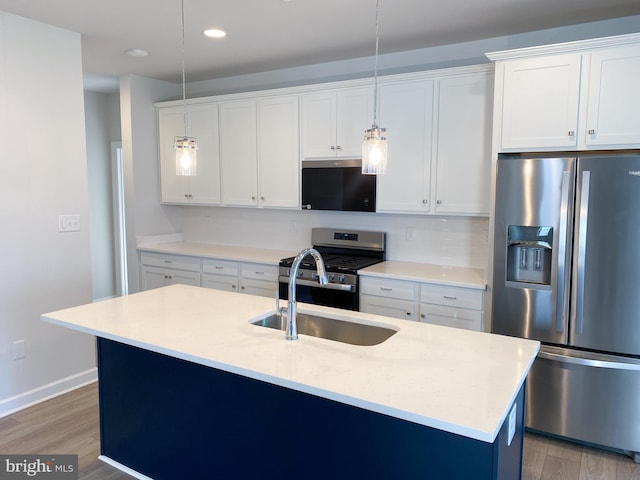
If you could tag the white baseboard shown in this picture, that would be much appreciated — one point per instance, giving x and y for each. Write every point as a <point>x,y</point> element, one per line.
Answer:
<point>122,468</point>
<point>45,392</point>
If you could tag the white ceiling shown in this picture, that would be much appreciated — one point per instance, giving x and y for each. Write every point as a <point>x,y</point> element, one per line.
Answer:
<point>265,35</point>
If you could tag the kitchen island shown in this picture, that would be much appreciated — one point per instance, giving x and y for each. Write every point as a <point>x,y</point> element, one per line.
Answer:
<point>190,389</point>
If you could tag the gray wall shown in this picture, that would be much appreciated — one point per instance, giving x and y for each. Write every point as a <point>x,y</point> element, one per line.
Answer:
<point>43,173</point>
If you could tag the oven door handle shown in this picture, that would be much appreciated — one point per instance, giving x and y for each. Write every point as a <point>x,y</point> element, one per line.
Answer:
<point>313,283</point>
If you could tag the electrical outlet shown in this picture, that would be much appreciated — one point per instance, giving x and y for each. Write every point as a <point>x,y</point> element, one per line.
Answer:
<point>68,223</point>
<point>512,424</point>
<point>19,349</point>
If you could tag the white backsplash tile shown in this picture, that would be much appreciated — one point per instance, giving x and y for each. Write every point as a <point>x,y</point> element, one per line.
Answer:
<point>455,241</point>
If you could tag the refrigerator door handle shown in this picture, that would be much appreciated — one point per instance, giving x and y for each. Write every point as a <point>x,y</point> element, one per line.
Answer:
<point>562,302</point>
<point>588,362</point>
<point>578,300</point>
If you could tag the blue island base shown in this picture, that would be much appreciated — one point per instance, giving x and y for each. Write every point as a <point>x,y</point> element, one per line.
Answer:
<point>172,419</point>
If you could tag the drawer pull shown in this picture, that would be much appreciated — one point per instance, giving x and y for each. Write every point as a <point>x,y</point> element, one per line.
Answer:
<point>448,297</point>
<point>259,273</point>
<point>386,289</point>
<point>219,268</point>
<point>168,261</point>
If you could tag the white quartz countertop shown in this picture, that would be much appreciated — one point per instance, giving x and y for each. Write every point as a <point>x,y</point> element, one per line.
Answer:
<point>224,252</point>
<point>422,272</point>
<point>455,380</point>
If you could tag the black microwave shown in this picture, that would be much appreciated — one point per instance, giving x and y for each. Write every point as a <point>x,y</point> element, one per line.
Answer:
<point>337,185</point>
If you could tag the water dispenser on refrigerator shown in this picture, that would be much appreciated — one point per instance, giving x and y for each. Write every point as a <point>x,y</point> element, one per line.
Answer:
<point>529,251</point>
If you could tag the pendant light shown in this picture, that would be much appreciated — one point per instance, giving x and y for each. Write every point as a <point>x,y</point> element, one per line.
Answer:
<point>374,147</point>
<point>185,146</point>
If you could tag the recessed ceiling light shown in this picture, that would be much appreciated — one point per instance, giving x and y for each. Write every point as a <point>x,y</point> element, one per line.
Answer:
<point>215,33</point>
<point>137,52</point>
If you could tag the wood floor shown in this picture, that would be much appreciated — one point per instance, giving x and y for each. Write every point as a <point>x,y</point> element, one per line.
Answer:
<point>69,424</point>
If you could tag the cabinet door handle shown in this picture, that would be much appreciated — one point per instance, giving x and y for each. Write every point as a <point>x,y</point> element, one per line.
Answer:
<point>592,132</point>
<point>422,315</point>
<point>253,197</point>
<point>571,133</point>
<point>386,289</point>
<point>408,314</point>
<point>333,147</point>
<point>448,297</point>
<point>425,201</point>
<point>338,147</point>
<point>262,198</point>
<point>439,202</point>
<point>242,288</point>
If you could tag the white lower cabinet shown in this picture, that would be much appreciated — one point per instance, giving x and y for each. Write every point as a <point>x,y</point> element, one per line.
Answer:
<point>159,270</point>
<point>388,297</point>
<point>220,274</point>
<point>259,279</point>
<point>252,278</point>
<point>451,306</point>
<point>426,302</point>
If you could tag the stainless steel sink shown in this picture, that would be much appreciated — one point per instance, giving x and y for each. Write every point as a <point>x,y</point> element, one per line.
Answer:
<point>330,328</point>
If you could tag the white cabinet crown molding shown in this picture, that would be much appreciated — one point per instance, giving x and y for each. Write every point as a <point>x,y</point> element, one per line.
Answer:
<point>566,47</point>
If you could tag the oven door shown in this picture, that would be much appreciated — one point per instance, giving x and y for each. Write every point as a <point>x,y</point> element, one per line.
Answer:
<point>318,295</point>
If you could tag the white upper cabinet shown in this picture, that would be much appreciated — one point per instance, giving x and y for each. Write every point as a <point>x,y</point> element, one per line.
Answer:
<point>204,188</point>
<point>279,152</point>
<point>463,145</point>
<point>238,152</point>
<point>406,111</point>
<point>614,97</point>
<point>540,102</point>
<point>334,121</point>
<point>573,96</point>
<point>439,144</point>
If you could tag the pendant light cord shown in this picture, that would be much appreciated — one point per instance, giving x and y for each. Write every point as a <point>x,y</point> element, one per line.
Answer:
<point>184,89</point>
<point>375,75</point>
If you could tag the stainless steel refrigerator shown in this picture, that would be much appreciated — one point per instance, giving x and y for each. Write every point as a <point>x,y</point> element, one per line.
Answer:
<point>567,273</point>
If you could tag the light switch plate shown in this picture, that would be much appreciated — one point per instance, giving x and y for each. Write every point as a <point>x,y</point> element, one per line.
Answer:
<point>68,223</point>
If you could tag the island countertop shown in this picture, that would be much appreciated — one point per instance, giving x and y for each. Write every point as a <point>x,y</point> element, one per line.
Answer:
<point>454,380</point>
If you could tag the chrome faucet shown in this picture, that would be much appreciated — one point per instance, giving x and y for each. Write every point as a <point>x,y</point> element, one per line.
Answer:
<point>292,308</point>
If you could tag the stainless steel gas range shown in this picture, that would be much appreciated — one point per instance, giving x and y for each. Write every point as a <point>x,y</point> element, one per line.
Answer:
<point>344,253</point>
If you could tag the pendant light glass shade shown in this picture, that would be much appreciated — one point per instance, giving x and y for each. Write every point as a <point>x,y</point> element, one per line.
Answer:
<point>374,151</point>
<point>185,146</point>
<point>186,156</point>
<point>374,147</point>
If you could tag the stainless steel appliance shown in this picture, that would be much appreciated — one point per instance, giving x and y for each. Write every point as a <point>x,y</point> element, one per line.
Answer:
<point>337,185</point>
<point>344,253</point>
<point>567,273</point>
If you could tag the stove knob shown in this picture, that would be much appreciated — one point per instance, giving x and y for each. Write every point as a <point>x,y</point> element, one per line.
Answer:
<point>331,277</point>
<point>300,273</point>
<point>314,276</point>
<point>341,278</point>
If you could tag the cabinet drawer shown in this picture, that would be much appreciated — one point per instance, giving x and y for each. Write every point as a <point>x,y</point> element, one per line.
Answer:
<point>262,288</point>
<point>220,267</point>
<point>389,307</point>
<point>191,264</point>
<point>220,282</point>
<point>451,317</point>
<point>451,296</point>
<point>260,271</point>
<point>383,287</point>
